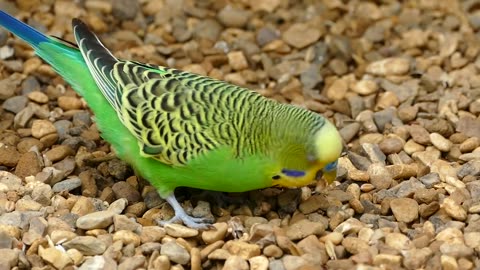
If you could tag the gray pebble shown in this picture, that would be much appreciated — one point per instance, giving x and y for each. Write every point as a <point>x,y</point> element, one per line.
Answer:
<point>68,184</point>
<point>15,104</point>
<point>429,180</point>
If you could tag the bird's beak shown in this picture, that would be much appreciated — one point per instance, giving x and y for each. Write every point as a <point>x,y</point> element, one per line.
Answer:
<point>329,172</point>
<point>330,176</point>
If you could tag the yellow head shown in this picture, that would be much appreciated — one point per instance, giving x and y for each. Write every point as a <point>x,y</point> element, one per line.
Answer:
<point>324,148</point>
<point>328,147</point>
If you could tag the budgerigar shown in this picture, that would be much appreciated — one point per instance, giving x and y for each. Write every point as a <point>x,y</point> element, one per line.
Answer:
<point>177,129</point>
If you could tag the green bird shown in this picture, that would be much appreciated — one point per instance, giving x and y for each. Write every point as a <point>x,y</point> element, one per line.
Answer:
<point>178,129</point>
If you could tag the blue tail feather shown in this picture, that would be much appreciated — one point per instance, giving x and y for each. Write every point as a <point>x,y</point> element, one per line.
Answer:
<point>22,30</point>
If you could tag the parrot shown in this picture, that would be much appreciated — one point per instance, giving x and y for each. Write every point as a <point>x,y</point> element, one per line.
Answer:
<point>180,129</point>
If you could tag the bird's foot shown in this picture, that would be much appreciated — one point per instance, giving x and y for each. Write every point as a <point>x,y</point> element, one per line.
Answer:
<point>189,221</point>
<point>181,215</point>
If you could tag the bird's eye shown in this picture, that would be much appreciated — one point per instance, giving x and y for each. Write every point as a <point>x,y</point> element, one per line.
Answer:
<point>276,177</point>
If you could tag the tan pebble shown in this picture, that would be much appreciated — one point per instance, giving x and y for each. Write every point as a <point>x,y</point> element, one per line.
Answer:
<point>387,99</point>
<point>54,256</point>
<point>258,263</point>
<point>367,187</point>
<point>27,205</point>
<point>407,114</point>
<point>102,6</point>
<point>276,45</point>
<point>300,35</point>
<point>41,128</point>
<point>243,249</point>
<point>303,228</point>
<point>456,250</point>
<point>237,60</point>
<point>365,234</point>
<point>469,144</point>
<point>177,230</point>
<point>427,157</point>
<point>177,267</point>
<point>38,97</point>
<point>335,237</point>
<point>235,262</point>
<point>195,68</point>
<point>403,171</point>
<point>469,156</point>
<point>337,90</point>
<point>387,259</point>
<point>210,248</point>
<point>60,236</point>
<point>82,207</point>
<point>354,189</point>
<point>475,208</point>
<point>95,220</point>
<point>365,87</point>
<point>118,206</point>
<point>357,205</point>
<point>75,255</point>
<point>450,236</point>
<point>464,263</point>
<point>448,262</point>
<point>419,134</point>
<point>49,139</point>
<point>273,251</point>
<point>175,252</point>
<point>96,232</point>
<point>371,138</point>
<point>161,263</point>
<point>380,177</point>
<point>69,103</point>
<point>391,145</point>
<point>122,222</point>
<point>294,262</point>
<point>313,203</point>
<point>127,237</point>
<point>404,209</point>
<point>219,254</point>
<point>416,258</point>
<point>216,234</point>
<point>398,241</point>
<point>389,66</point>
<point>454,210</point>
<point>411,147</point>
<point>354,245</point>
<point>152,234</point>
<point>195,259</point>
<point>235,78</point>
<point>440,142</point>
<point>59,152</point>
<point>31,65</point>
<point>472,239</point>
<point>351,225</point>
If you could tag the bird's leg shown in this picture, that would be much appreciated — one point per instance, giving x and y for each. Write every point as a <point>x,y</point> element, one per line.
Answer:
<point>180,214</point>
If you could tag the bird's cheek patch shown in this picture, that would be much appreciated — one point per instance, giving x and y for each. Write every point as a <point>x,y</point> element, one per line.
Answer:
<point>293,173</point>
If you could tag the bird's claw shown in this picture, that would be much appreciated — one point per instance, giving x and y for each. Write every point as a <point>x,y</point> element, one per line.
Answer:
<point>191,222</point>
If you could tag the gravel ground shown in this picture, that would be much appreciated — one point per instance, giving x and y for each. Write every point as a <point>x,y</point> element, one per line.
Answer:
<point>398,78</point>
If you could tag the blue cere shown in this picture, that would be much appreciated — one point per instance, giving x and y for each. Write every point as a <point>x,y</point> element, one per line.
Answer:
<point>331,166</point>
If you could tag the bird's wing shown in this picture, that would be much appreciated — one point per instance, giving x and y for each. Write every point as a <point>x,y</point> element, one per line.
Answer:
<point>169,111</point>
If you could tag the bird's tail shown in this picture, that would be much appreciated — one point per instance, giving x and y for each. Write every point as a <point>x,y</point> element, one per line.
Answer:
<point>65,58</point>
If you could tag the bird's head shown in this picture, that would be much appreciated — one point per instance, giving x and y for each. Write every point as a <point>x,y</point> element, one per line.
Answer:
<point>327,147</point>
<point>323,150</point>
